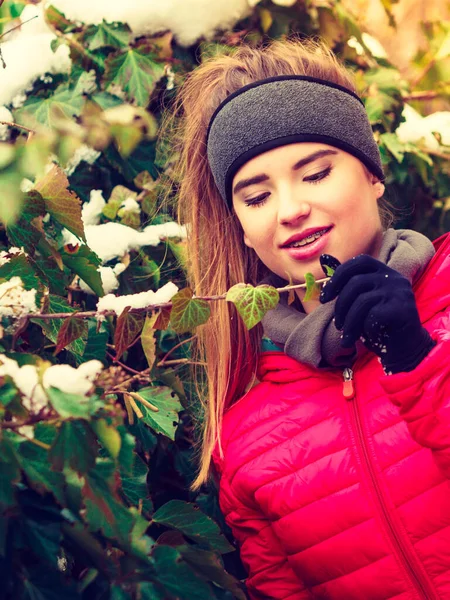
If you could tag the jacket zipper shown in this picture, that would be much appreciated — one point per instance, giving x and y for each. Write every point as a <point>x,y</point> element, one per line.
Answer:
<point>422,586</point>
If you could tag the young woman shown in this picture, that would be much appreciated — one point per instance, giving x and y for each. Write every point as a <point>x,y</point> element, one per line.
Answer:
<point>329,422</point>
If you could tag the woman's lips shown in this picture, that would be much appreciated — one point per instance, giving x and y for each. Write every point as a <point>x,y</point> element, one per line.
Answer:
<point>310,250</point>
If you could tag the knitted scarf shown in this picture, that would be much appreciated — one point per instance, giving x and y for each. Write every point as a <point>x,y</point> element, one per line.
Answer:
<point>312,338</point>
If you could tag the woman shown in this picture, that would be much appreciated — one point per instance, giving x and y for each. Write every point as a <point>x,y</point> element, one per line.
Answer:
<point>334,467</point>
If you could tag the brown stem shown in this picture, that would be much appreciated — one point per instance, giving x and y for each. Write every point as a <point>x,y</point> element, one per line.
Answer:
<point>123,365</point>
<point>180,361</point>
<point>92,313</point>
<point>424,95</point>
<point>17,125</point>
<point>164,359</point>
<point>17,26</point>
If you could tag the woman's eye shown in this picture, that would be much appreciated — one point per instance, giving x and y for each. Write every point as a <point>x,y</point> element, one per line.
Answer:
<point>316,177</point>
<point>257,201</point>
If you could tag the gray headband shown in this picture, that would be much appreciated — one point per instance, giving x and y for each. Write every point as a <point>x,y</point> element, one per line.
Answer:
<point>283,110</point>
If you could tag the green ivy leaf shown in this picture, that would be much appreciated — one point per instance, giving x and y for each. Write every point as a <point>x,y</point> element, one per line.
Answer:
<point>134,486</point>
<point>25,232</point>
<point>51,327</point>
<point>136,71</point>
<point>193,523</point>
<point>38,469</point>
<point>114,35</point>
<point>177,577</point>
<point>18,266</point>
<point>394,145</point>
<point>312,288</point>
<point>64,102</point>
<point>188,312</point>
<point>73,434</point>
<point>84,262</point>
<point>9,472</point>
<point>209,566</point>
<point>164,421</point>
<point>252,302</point>
<point>72,405</point>
<point>108,436</point>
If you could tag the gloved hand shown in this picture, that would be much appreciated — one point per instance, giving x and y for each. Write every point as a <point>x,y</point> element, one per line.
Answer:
<point>377,304</point>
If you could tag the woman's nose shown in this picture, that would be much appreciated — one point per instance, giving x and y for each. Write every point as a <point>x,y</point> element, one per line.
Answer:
<point>291,208</point>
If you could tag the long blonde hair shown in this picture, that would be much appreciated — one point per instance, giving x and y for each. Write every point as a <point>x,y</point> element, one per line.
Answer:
<point>217,257</point>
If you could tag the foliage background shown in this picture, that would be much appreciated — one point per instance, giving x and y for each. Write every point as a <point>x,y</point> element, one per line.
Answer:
<point>94,487</point>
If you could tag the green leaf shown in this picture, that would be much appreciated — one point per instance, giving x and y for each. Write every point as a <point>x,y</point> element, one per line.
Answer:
<point>72,405</point>
<point>10,178</point>
<point>73,435</point>
<point>312,288</point>
<point>176,576</point>
<point>51,327</point>
<point>209,566</point>
<point>62,204</point>
<point>329,270</point>
<point>38,469</point>
<point>192,522</point>
<point>115,35</point>
<point>24,232</point>
<point>108,436</point>
<point>18,266</point>
<point>64,102</point>
<point>9,472</point>
<point>136,71</point>
<point>394,145</point>
<point>134,486</point>
<point>84,262</point>
<point>252,302</point>
<point>188,312</point>
<point>128,327</point>
<point>164,421</point>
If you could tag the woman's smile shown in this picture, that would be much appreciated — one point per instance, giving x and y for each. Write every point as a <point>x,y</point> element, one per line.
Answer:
<point>294,191</point>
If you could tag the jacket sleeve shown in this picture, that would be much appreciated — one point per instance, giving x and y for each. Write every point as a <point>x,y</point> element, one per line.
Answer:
<point>423,395</point>
<point>270,576</point>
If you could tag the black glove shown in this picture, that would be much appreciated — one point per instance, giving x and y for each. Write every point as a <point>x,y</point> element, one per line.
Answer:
<point>377,304</point>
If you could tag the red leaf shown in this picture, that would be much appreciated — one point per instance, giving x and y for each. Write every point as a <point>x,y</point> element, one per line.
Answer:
<point>71,330</point>
<point>128,328</point>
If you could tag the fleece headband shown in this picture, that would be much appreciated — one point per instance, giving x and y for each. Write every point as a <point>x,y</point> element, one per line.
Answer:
<point>284,110</point>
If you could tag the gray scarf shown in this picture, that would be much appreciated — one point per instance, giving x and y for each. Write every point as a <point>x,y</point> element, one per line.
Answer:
<point>312,338</point>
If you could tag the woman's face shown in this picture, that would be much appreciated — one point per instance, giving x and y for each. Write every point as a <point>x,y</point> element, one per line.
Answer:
<point>297,187</point>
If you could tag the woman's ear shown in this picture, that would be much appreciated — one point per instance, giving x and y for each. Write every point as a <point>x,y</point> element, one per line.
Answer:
<point>379,188</point>
<point>247,242</point>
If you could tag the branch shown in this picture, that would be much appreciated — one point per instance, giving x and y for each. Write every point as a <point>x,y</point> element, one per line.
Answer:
<point>92,313</point>
<point>17,125</point>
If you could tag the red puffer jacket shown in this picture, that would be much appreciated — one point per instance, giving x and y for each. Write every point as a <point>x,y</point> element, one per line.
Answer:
<point>342,491</point>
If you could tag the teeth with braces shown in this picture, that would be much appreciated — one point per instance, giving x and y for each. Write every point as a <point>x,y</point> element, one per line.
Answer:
<point>308,240</point>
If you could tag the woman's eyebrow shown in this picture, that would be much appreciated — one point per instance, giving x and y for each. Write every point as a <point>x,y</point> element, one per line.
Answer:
<point>243,183</point>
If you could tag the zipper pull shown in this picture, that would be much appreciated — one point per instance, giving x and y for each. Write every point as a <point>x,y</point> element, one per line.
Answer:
<point>348,387</point>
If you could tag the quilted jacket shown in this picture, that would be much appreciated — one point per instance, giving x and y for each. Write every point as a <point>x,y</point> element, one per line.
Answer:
<point>336,484</point>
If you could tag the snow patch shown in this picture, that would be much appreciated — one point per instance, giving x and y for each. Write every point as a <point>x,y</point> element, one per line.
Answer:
<point>189,21</point>
<point>416,128</point>
<point>141,300</point>
<point>28,55</point>
<point>64,377</point>
<point>114,240</point>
